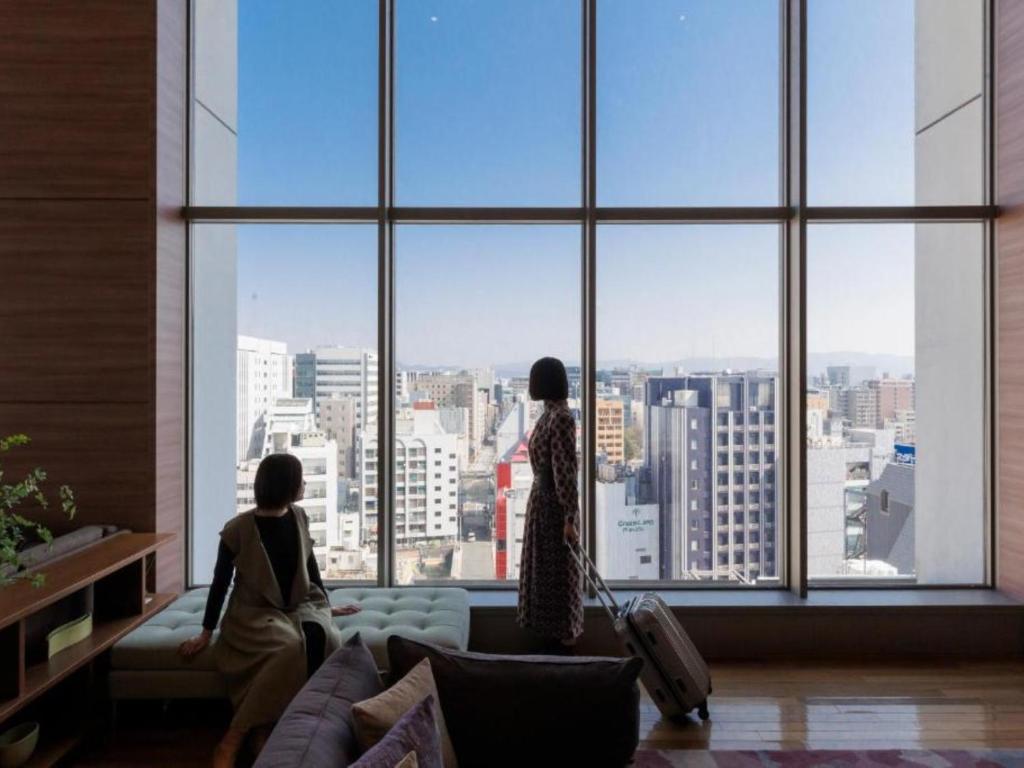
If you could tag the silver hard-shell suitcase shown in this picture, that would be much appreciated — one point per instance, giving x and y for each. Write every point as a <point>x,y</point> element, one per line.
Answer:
<point>674,673</point>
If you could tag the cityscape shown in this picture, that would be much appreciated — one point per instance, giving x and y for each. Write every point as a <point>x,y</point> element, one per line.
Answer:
<point>687,485</point>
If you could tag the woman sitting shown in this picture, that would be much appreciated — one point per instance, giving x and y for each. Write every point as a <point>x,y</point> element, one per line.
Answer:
<point>277,628</point>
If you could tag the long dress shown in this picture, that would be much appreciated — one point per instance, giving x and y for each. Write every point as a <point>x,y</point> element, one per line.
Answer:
<point>550,582</point>
<point>261,650</point>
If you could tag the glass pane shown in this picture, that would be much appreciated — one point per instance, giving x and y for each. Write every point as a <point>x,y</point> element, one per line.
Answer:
<point>895,102</point>
<point>895,409</point>
<point>476,305</point>
<point>487,102</point>
<point>687,398</point>
<point>688,102</point>
<point>284,361</point>
<point>285,107</point>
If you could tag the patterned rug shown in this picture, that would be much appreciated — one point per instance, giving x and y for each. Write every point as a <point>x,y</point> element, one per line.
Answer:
<point>829,758</point>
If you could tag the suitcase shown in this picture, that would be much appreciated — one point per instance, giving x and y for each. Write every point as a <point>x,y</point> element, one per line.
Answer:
<point>674,673</point>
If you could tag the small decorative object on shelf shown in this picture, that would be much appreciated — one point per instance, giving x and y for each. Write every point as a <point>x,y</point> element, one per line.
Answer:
<point>16,531</point>
<point>17,744</point>
<point>68,634</point>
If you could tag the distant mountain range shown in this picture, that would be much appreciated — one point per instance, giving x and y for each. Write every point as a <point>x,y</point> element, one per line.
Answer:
<point>895,366</point>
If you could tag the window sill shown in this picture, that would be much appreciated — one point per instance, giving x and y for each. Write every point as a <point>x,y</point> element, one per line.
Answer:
<point>716,600</point>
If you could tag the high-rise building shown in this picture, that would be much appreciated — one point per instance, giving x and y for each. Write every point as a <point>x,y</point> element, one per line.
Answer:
<point>861,406</point>
<point>426,479</point>
<point>710,451</point>
<point>337,417</point>
<point>339,372</point>
<point>611,430</point>
<point>893,395</point>
<point>264,375</point>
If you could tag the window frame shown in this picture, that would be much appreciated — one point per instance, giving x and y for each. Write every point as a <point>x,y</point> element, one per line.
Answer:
<point>792,217</point>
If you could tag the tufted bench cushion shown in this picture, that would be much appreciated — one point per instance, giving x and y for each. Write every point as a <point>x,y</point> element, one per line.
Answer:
<point>145,664</point>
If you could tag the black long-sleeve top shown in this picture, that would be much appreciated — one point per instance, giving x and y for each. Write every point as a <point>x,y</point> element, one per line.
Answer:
<point>280,538</point>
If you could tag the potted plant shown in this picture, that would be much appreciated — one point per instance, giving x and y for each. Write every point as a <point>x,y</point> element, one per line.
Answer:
<point>16,530</point>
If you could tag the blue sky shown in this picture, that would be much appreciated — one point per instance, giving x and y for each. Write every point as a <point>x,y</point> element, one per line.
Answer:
<point>488,114</point>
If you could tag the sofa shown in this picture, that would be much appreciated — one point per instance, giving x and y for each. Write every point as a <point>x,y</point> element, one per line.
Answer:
<point>145,664</point>
<point>500,711</point>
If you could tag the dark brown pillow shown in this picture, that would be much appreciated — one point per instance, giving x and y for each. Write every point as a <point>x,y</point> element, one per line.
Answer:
<point>528,710</point>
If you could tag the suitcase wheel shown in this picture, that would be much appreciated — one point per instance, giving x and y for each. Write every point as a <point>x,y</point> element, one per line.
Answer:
<point>702,710</point>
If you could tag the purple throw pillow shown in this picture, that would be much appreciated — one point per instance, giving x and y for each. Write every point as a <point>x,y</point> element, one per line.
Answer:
<point>416,731</point>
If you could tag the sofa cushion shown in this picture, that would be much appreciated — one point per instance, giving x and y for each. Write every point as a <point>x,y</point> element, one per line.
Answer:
<point>439,616</point>
<point>374,717</point>
<point>316,730</point>
<point>413,741</point>
<point>522,710</point>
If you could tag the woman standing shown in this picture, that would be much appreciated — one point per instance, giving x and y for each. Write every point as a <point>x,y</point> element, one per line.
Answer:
<point>550,582</point>
<point>277,628</point>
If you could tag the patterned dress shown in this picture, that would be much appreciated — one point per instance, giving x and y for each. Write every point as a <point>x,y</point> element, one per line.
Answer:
<point>550,582</point>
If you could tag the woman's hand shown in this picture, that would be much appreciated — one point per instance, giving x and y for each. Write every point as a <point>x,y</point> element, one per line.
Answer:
<point>191,647</point>
<point>345,610</point>
<point>572,537</point>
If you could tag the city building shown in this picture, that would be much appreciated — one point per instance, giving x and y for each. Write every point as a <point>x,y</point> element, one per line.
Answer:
<point>513,481</point>
<point>339,372</point>
<point>627,534</point>
<point>337,416</point>
<point>838,475</point>
<point>889,520</point>
<point>263,376</point>
<point>426,479</point>
<point>710,450</point>
<point>611,430</point>
<point>849,375</point>
<point>893,395</point>
<point>458,390</point>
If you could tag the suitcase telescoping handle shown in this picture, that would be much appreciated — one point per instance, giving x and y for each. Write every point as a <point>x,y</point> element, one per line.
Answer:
<point>591,574</point>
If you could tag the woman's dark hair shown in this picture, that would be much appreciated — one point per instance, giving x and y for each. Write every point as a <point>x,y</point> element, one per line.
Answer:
<point>548,380</point>
<point>278,481</point>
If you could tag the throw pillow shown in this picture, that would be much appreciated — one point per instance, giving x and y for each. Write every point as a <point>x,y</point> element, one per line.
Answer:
<point>414,742</point>
<point>316,731</point>
<point>504,711</point>
<point>375,717</point>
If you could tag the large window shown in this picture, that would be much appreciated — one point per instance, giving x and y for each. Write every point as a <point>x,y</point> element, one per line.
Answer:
<point>475,305</point>
<point>687,403</point>
<point>777,343</point>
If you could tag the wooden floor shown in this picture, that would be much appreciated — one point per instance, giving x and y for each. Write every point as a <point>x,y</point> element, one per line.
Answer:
<point>754,706</point>
<point>852,707</point>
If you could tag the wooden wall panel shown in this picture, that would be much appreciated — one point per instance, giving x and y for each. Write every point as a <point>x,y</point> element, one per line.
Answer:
<point>170,330</point>
<point>92,253</point>
<point>76,87</point>
<point>102,450</point>
<point>1010,295</point>
<point>74,322</point>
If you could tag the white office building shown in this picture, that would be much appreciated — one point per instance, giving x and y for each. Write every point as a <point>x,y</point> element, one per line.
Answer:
<point>426,479</point>
<point>327,372</point>
<point>627,534</point>
<point>264,375</point>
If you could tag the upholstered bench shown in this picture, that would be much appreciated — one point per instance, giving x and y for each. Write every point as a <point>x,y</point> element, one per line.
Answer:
<point>145,664</point>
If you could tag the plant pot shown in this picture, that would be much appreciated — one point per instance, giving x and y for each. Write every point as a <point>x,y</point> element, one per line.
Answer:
<point>17,745</point>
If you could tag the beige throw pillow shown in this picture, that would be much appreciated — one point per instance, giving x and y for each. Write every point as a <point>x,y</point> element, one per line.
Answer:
<point>374,717</point>
<point>409,761</point>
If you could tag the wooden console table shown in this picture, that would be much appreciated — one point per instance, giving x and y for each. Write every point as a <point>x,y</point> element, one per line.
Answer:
<point>113,573</point>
